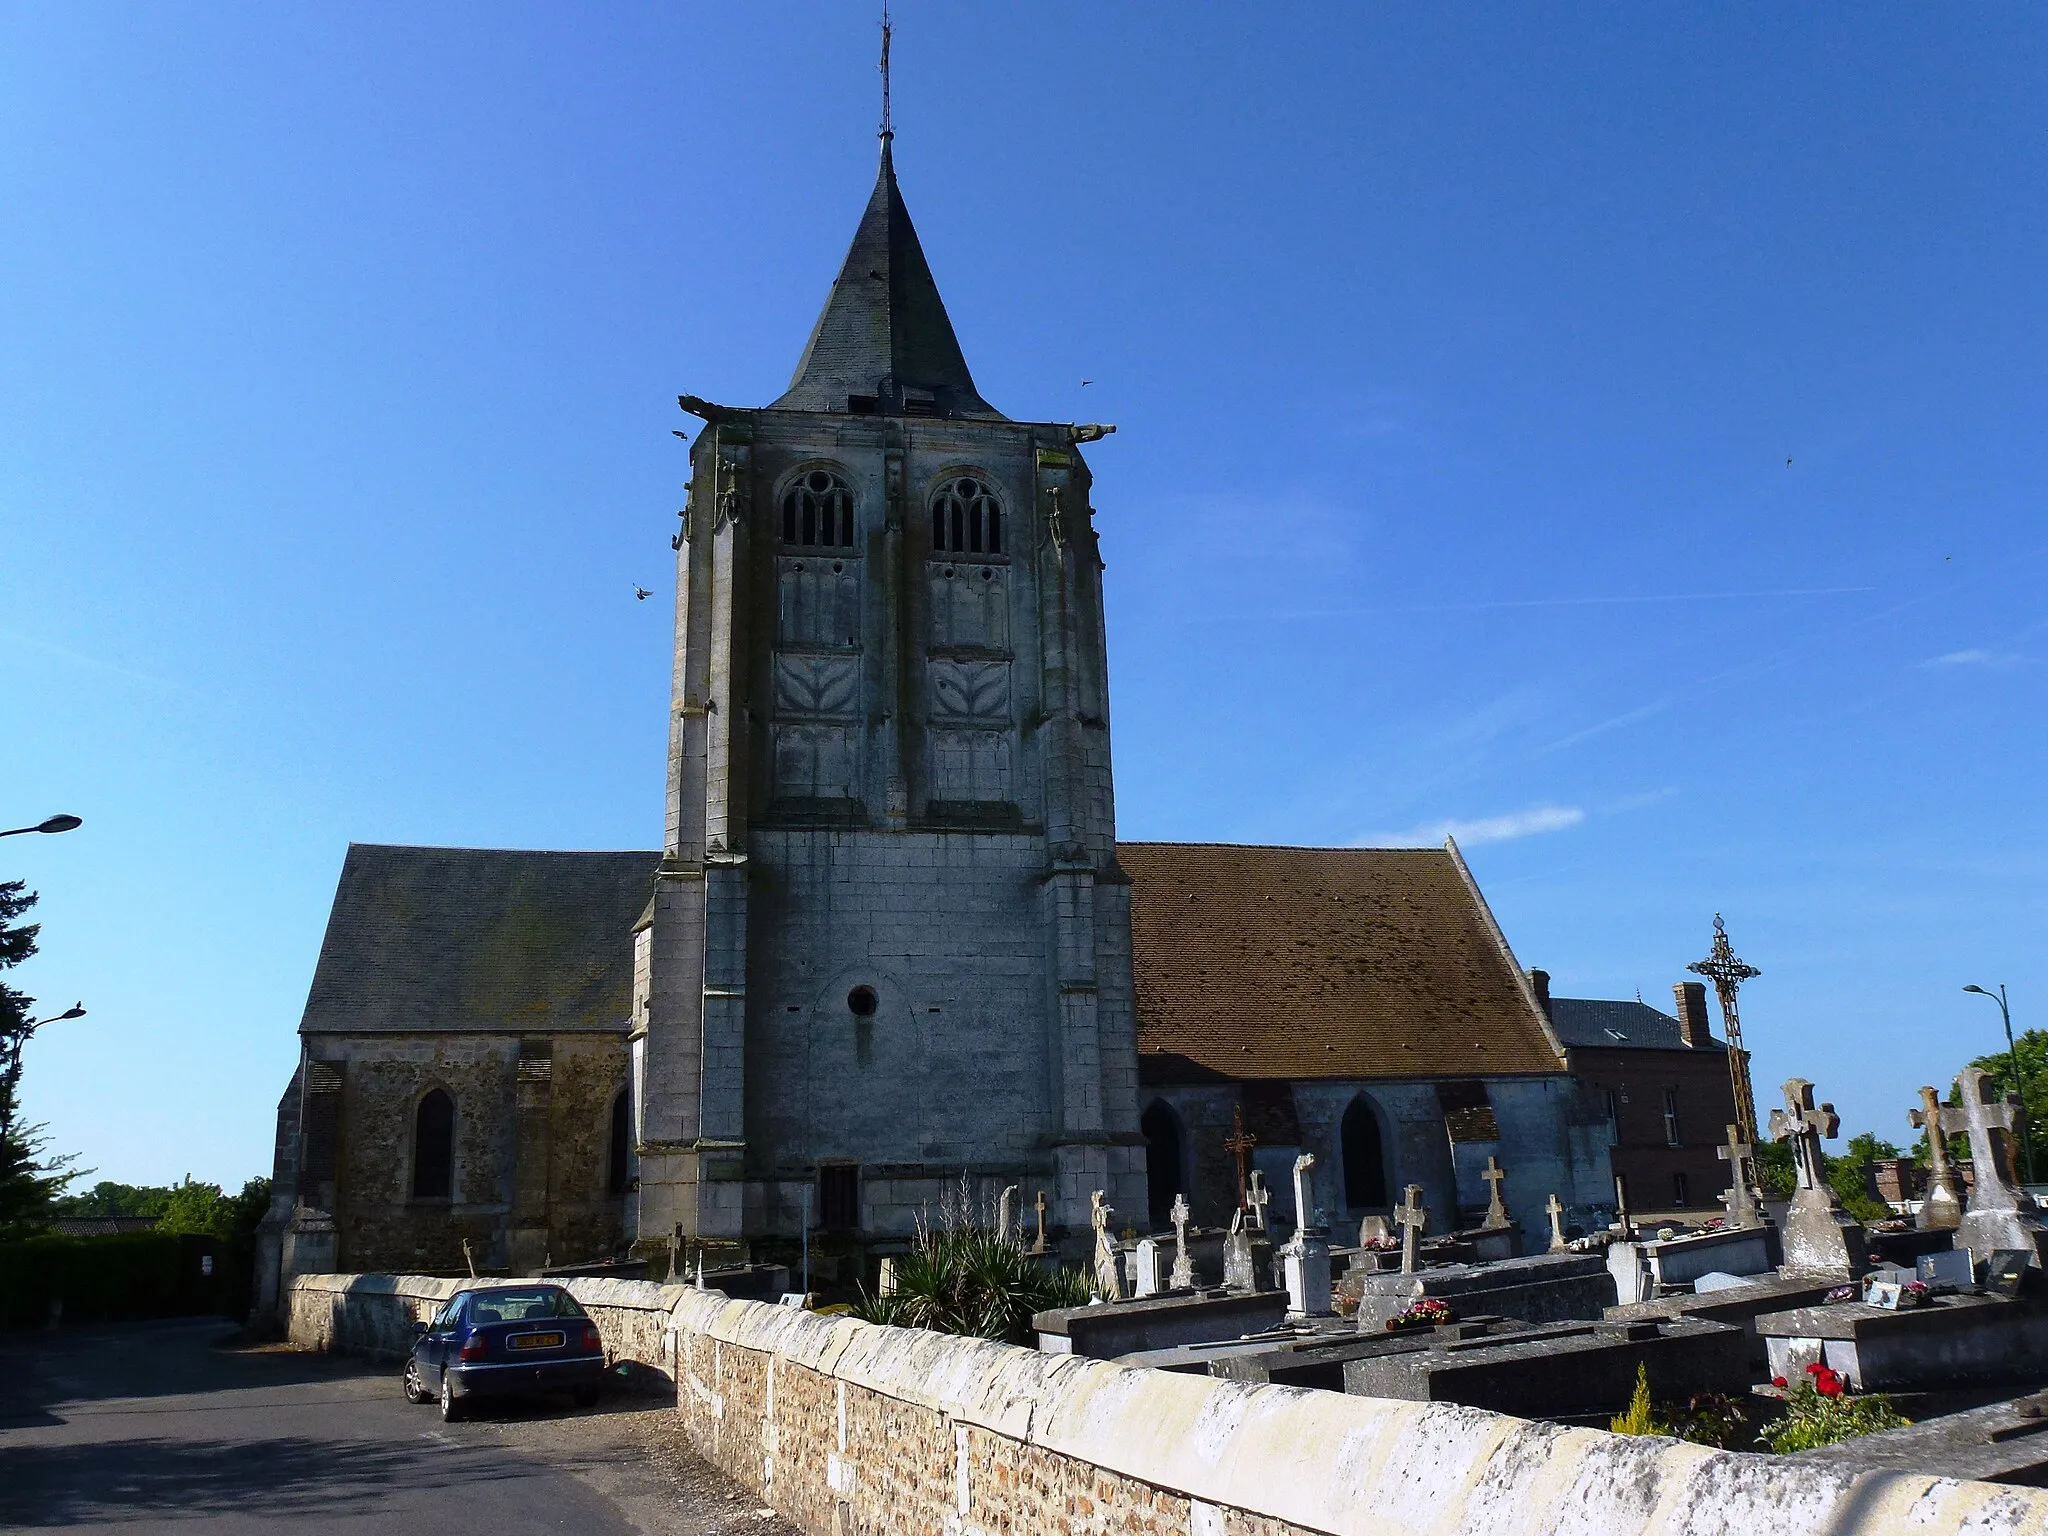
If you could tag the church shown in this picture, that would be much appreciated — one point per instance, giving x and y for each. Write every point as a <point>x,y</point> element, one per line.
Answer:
<point>890,939</point>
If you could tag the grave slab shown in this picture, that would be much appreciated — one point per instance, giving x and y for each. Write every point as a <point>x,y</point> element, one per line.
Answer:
<point>1318,1361</point>
<point>1561,1369</point>
<point>1158,1322</point>
<point>2000,1443</point>
<point>1952,1341</point>
<point>1538,1288</point>
<point>1738,1306</point>
<point>1645,1270</point>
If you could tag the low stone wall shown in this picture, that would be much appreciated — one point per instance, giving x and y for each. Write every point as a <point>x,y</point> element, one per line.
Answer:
<point>845,1427</point>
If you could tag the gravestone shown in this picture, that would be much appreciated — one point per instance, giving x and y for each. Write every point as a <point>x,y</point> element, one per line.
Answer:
<point>1183,1277</point>
<point>1146,1277</point>
<point>1157,1322</point>
<point>1039,1245</point>
<point>1412,1218</point>
<point>1245,1259</point>
<point>1949,1341</point>
<point>1622,1221</point>
<point>1496,1208</point>
<point>1649,1268</point>
<point>1819,1236</point>
<point>1305,1260</point>
<point>1317,1361</point>
<point>2000,1214</point>
<point>1941,1209</point>
<point>1561,1369</point>
<point>885,1283</point>
<point>1256,1199</point>
<point>1555,1210</point>
<point>1740,1196</point>
<point>1108,1278</point>
<point>1006,1208</point>
<point>1541,1288</point>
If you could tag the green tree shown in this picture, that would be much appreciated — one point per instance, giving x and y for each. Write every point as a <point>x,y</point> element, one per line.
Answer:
<point>30,1181</point>
<point>108,1198</point>
<point>1775,1172</point>
<point>203,1208</point>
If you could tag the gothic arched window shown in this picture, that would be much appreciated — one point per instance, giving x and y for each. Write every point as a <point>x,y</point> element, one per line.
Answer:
<point>967,519</point>
<point>433,1147</point>
<point>1365,1164</point>
<point>619,1170</point>
<point>1161,1129</point>
<point>817,511</point>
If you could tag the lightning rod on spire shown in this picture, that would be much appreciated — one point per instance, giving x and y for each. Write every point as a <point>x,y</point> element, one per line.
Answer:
<point>888,133</point>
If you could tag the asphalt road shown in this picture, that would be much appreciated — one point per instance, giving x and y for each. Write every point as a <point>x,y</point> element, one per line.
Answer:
<point>154,1426</point>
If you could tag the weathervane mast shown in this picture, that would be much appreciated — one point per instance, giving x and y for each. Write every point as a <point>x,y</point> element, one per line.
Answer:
<point>888,133</point>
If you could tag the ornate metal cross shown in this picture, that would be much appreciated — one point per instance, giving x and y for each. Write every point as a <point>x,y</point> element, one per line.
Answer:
<point>1727,974</point>
<point>1240,1143</point>
<point>1802,1124</point>
<point>1413,1218</point>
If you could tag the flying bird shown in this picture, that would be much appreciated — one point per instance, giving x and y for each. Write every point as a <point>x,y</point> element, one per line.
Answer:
<point>1086,382</point>
<point>642,593</point>
<point>1788,463</point>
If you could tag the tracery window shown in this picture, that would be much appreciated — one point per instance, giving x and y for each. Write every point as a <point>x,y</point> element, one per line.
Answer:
<point>966,517</point>
<point>817,511</point>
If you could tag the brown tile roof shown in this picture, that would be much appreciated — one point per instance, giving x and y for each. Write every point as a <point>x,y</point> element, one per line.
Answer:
<point>1320,963</point>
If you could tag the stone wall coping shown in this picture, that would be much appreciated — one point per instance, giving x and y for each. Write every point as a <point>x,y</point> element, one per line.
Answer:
<point>1324,1461</point>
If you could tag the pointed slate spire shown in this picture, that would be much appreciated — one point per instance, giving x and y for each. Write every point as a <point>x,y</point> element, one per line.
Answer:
<point>883,342</point>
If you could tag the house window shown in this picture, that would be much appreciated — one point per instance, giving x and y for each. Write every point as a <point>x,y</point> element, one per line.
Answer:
<point>839,1197</point>
<point>817,511</point>
<point>1671,1116</point>
<point>433,1147</point>
<point>966,517</point>
<point>1681,1191</point>
<point>618,1173</point>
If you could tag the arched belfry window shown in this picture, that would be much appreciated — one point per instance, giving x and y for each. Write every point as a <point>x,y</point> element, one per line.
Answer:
<point>967,519</point>
<point>433,1147</point>
<point>1365,1163</point>
<point>817,511</point>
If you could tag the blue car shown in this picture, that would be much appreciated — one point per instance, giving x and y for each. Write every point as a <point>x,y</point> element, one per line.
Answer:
<point>505,1341</point>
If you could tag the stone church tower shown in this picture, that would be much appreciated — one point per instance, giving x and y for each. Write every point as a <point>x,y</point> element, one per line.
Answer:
<point>889,942</point>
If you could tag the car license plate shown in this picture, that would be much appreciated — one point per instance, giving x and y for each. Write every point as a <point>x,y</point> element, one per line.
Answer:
<point>535,1341</point>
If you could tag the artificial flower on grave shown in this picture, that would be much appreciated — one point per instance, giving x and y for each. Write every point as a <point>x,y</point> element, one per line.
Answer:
<point>1426,1313</point>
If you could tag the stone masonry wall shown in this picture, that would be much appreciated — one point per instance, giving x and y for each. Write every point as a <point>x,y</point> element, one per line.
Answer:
<point>845,1427</point>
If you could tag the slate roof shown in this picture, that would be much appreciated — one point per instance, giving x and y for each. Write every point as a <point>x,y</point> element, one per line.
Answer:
<point>884,327</point>
<point>479,939</point>
<point>1323,963</point>
<point>1618,1025</point>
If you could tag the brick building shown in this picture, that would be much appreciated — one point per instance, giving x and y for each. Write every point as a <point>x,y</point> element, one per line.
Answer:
<point>1662,1088</point>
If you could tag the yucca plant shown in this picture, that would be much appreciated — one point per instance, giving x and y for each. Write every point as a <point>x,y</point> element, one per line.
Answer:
<point>972,1281</point>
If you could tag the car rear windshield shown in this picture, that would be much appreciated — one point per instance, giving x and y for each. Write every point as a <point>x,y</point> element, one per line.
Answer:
<point>522,1306</point>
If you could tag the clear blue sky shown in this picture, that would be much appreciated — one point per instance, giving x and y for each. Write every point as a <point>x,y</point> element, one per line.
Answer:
<point>1613,434</point>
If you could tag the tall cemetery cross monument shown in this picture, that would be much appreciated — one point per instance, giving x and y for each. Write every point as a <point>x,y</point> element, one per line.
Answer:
<point>1728,974</point>
<point>889,927</point>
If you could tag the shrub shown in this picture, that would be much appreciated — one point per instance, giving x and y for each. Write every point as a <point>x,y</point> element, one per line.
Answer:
<point>1640,1419</point>
<point>972,1281</point>
<point>1820,1410</point>
<point>1708,1418</point>
<point>118,1279</point>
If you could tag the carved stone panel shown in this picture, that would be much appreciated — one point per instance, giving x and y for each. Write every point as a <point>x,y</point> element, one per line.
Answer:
<point>970,692</point>
<point>817,601</point>
<point>816,687</point>
<point>970,605</point>
<point>815,762</point>
<point>969,765</point>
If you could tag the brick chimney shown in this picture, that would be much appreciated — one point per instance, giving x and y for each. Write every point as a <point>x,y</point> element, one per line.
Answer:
<point>1692,1013</point>
<point>1539,982</point>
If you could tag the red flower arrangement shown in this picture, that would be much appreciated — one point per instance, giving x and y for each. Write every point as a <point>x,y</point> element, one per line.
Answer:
<point>1426,1313</point>
<point>1827,1383</point>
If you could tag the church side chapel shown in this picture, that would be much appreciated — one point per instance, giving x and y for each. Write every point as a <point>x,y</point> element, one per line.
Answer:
<point>891,940</point>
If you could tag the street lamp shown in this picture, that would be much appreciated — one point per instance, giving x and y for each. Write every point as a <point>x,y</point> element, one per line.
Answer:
<point>10,1075</point>
<point>51,824</point>
<point>2018,1083</point>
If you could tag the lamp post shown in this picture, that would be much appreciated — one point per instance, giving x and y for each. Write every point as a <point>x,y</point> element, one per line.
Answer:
<point>2019,1083</point>
<point>48,824</point>
<point>13,1044</point>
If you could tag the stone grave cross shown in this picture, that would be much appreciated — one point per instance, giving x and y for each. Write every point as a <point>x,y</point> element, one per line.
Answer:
<point>1183,1277</point>
<point>1304,1193</point>
<point>1496,1208</point>
<point>1006,1209</point>
<point>1256,1199</point>
<point>1991,1128</point>
<point>1741,1197</point>
<point>1940,1206</point>
<point>1802,1124</point>
<point>1556,1210</point>
<point>1413,1218</point>
<point>1039,1246</point>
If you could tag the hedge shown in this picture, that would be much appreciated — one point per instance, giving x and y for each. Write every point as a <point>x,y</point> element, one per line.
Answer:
<point>121,1278</point>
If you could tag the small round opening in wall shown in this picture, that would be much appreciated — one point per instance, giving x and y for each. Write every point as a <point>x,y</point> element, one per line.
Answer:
<point>863,1002</point>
